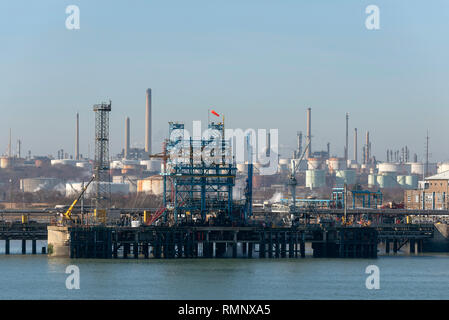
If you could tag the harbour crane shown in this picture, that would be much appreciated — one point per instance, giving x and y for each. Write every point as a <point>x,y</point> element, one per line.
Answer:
<point>292,179</point>
<point>68,213</point>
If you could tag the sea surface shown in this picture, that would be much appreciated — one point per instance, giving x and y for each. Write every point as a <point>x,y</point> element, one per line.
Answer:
<point>29,276</point>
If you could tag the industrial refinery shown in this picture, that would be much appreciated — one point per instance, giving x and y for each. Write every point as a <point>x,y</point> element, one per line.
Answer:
<point>223,151</point>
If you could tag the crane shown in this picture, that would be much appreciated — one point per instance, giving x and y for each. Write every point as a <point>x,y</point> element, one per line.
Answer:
<point>292,179</point>
<point>68,213</point>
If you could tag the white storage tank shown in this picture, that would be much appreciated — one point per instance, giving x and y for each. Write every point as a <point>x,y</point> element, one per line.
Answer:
<point>153,165</point>
<point>64,162</point>
<point>411,182</point>
<point>336,164</point>
<point>345,176</point>
<point>153,184</point>
<point>443,166</point>
<point>401,181</point>
<point>314,164</point>
<point>388,167</point>
<point>315,179</point>
<point>37,184</point>
<point>417,168</point>
<point>372,180</point>
<point>74,188</point>
<point>387,180</point>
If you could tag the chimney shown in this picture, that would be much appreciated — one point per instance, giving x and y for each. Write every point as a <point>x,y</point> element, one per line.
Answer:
<point>127,138</point>
<point>346,145</point>
<point>268,144</point>
<point>299,144</point>
<point>309,133</point>
<point>148,122</point>
<point>77,143</point>
<point>367,148</point>
<point>355,145</point>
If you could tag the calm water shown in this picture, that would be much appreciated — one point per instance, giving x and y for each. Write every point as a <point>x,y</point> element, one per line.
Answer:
<point>401,277</point>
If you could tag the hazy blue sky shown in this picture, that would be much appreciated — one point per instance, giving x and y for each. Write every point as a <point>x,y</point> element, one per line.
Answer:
<point>262,63</point>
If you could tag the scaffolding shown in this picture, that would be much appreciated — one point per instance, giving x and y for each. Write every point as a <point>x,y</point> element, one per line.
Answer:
<point>101,165</point>
<point>199,177</point>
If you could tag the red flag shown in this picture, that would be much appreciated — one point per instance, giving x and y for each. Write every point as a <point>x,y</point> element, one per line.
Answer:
<point>214,113</point>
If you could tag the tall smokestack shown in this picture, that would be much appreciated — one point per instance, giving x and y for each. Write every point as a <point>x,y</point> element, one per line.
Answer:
<point>127,138</point>
<point>346,145</point>
<point>309,133</point>
<point>148,123</point>
<point>355,145</point>
<point>268,144</point>
<point>9,145</point>
<point>367,148</point>
<point>299,144</point>
<point>77,143</point>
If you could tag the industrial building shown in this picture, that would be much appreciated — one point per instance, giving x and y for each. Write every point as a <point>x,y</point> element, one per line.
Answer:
<point>431,194</point>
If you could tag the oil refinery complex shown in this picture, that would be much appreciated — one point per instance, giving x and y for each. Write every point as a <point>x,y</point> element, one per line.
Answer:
<point>208,204</point>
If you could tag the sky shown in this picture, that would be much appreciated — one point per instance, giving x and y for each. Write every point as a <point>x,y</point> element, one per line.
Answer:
<point>261,63</point>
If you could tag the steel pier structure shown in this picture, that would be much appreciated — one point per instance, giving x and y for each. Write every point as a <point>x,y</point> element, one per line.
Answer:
<point>199,177</point>
<point>219,242</point>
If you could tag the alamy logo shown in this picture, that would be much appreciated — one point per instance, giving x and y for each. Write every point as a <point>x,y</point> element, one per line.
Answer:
<point>247,146</point>
<point>72,22</point>
<point>73,280</point>
<point>373,280</point>
<point>372,22</point>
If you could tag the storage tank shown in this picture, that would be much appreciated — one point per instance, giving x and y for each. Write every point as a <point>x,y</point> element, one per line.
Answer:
<point>85,165</point>
<point>315,179</point>
<point>387,180</point>
<point>443,166</point>
<point>37,184</point>
<point>153,165</point>
<point>153,184</point>
<point>417,168</point>
<point>345,176</point>
<point>314,164</point>
<point>372,180</point>
<point>411,182</point>
<point>64,162</point>
<point>401,181</point>
<point>74,188</point>
<point>6,162</point>
<point>388,167</point>
<point>336,164</point>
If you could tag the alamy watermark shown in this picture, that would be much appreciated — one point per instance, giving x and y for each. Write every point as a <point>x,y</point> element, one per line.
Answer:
<point>372,22</point>
<point>238,146</point>
<point>73,280</point>
<point>373,280</point>
<point>72,22</point>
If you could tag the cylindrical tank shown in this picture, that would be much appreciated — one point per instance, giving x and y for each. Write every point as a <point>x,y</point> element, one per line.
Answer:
<point>313,164</point>
<point>153,184</point>
<point>345,176</point>
<point>372,180</point>
<point>315,179</point>
<point>387,180</point>
<point>411,182</point>
<point>444,166</point>
<point>401,181</point>
<point>417,168</point>
<point>388,167</point>
<point>37,184</point>
<point>153,165</point>
<point>6,162</point>
<point>336,164</point>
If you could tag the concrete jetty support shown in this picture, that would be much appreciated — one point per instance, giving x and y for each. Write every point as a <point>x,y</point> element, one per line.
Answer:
<point>58,241</point>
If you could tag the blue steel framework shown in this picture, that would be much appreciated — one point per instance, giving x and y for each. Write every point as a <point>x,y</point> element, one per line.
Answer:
<point>199,177</point>
<point>366,196</point>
